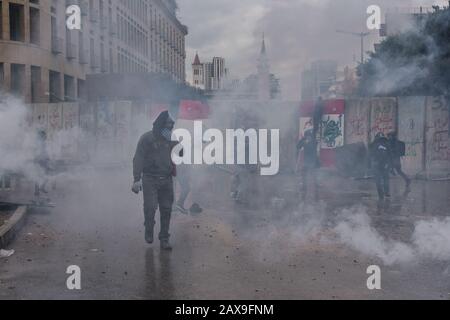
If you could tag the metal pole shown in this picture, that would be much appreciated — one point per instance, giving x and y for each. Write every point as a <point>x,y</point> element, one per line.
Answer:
<point>362,48</point>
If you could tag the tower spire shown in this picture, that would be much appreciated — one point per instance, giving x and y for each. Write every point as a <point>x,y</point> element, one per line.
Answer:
<point>263,47</point>
<point>196,60</point>
<point>263,73</point>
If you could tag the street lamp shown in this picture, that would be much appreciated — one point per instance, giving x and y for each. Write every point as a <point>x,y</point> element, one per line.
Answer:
<point>361,35</point>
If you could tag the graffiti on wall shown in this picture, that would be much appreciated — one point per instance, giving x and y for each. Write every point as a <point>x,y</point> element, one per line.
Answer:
<point>70,116</point>
<point>105,121</point>
<point>383,116</point>
<point>438,148</point>
<point>332,131</point>
<point>411,123</point>
<point>40,116</point>
<point>54,117</point>
<point>356,121</point>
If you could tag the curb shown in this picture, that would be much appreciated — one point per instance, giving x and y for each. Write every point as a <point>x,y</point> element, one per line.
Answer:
<point>9,230</point>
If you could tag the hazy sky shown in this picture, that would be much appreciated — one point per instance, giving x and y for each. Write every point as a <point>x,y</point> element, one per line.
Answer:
<point>297,32</point>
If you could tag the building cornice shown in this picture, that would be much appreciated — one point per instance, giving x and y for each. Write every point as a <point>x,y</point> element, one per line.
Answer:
<point>172,17</point>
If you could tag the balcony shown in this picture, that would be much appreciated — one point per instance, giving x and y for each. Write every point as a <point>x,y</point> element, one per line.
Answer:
<point>57,45</point>
<point>72,2</point>
<point>95,61</point>
<point>94,15</point>
<point>84,6</point>
<point>104,66</point>
<point>83,57</point>
<point>103,22</point>
<point>113,28</point>
<point>71,50</point>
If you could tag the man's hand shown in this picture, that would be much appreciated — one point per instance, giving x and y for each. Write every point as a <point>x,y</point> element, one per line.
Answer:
<point>137,186</point>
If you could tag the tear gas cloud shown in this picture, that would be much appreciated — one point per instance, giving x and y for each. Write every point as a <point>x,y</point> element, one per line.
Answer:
<point>308,32</point>
<point>297,32</point>
<point>352,227</point>
<point>17,140</point>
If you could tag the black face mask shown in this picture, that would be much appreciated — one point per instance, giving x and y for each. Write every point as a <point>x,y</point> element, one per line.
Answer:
<point>166,132</point>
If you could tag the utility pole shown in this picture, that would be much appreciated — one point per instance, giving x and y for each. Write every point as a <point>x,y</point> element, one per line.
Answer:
<point>361,35</point>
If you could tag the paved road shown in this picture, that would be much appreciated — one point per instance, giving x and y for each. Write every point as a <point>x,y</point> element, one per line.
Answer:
<point>224,253</point>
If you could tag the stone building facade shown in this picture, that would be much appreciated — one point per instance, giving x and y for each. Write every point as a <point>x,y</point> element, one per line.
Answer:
<point>41,60</point>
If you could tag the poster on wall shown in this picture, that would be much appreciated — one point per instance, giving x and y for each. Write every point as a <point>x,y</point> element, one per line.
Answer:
<point>306,123</point>
<point>332,131</point>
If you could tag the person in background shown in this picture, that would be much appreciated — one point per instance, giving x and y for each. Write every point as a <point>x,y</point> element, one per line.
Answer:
<point>184,180</point>
<point>398,150</point>
<point>317,116</point>
<point>42,161</point>
<point>380,162</point>
<point>310,162</point>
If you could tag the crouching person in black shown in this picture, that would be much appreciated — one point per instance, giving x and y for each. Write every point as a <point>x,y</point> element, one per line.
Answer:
<point>380,160</point>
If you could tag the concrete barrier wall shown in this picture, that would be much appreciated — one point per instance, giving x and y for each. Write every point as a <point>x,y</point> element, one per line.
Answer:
<point>357,115</point>
<point>55,126</point>
<point>411,130</point>
<point>437,147</point>
<point>383,116</point>
<point>124,147</point>
<point>108,131</point>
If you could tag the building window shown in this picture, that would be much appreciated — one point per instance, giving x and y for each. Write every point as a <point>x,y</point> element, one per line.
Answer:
<point>1,20</point>
<point>17,79</point>
<point>81,89</point>
<point>55,86</point>
<point>69,88</point>
<point>35,84</point>
<point>16,22</point>
<point>34,26</point>
<point>2,76</point>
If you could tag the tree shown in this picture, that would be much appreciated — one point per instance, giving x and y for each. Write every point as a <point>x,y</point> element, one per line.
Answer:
<point>415,62</point>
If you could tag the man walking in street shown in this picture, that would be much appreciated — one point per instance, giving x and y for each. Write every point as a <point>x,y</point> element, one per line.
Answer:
<point>398,150</point>
<point>380,158</point>
<point>153,170</point>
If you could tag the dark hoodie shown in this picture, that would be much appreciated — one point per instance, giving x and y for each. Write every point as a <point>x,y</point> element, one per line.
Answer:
<point>380,153</point>
<point>153,152</point>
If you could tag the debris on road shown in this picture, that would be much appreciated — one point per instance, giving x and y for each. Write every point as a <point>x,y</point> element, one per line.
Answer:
<point>6,253</point>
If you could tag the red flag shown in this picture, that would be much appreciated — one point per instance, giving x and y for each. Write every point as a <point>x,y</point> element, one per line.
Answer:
<point>193,110</point>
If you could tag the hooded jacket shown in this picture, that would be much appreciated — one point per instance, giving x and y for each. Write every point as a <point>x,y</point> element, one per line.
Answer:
<point>153,152</point>
<point>380,153</point>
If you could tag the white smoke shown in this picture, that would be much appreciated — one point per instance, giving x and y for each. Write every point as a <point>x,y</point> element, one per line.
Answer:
<point>355,230</point>
<point>314,226</point>
<point>430,239</point>
<point>17,139</point>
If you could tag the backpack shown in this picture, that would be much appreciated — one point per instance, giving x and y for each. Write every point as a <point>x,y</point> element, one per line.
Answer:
<point>380,152</point>
<point>401,148</point>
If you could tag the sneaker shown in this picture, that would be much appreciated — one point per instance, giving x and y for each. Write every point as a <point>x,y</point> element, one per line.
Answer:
<point>181,209</point>
<point>149,235</point>
<point>165,245</point>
